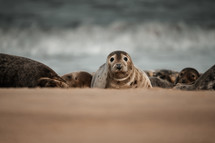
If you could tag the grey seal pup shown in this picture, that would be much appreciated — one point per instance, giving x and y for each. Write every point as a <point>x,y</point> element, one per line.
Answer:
<point>119,72</point>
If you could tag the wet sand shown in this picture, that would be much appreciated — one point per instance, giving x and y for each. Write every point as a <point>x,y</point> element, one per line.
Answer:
<point>106,116</point>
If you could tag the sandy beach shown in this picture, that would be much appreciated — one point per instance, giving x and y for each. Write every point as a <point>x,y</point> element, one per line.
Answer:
<point>106,116</point>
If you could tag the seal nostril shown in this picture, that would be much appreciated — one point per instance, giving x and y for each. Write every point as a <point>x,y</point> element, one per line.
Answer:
<point>118,66</point>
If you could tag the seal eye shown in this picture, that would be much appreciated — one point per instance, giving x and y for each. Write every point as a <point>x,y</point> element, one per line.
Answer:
<point>111,59</point>
<point>193,76</point>
<point>126,59</point>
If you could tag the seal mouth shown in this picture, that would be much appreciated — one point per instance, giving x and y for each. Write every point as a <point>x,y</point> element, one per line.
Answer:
<point>119,75</point>
<point>119,71</point>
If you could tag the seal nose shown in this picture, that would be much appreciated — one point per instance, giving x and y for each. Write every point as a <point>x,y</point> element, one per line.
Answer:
<point>183,81</point>
<point>118,66</point>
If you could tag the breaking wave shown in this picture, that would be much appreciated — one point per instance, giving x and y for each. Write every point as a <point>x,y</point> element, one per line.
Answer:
<point>152,45</point>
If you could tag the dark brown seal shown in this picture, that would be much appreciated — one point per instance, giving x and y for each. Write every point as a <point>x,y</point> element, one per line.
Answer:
<point>205,82</point>
<point>165,74</point>
<point>18,71</point>
<point>187,76</point>
<point>78,79</point>
<point>158,82</point>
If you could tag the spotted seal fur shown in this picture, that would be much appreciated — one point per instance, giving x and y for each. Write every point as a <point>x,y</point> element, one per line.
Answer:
<point>119,72</point>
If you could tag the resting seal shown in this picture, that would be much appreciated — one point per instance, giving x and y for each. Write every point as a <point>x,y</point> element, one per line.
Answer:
<point>167,75</point>
<point>205,82</point>
<point>162,78</point>
<point>158,82</point>
<point>119,72</point>
<point>51,82</point>
<point>78,79</point>
<point>18,71</point>
<point>187,76</point>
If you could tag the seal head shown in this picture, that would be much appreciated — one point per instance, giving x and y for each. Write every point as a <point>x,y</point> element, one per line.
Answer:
<point>187,76</point>
<point>120,65</point>
<point>80,79</point>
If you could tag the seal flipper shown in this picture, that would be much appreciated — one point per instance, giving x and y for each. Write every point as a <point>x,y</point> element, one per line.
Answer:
<point>145,79</point>
<point>100,77</point>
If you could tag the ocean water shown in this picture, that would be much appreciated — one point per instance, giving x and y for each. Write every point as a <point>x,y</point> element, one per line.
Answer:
<point>78,35</point>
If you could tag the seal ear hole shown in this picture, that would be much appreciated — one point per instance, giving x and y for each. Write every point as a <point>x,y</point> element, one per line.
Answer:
<point>125,59</point>
<point>181,74</point>
<point>76,78</point>
<point>111,59</point>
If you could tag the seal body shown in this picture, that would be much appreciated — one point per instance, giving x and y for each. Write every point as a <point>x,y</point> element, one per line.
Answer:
<point>205,82</point>
<point>52,82</point>
<point>158,82</point>
<point>18,71</point>
<point>187,76</point>
<point>166,74</point>
<point>119,72</point>
<point>78,79</point>
<point>162,78</point>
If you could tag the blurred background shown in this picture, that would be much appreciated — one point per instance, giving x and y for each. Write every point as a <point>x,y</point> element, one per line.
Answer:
<point>74,35</point>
